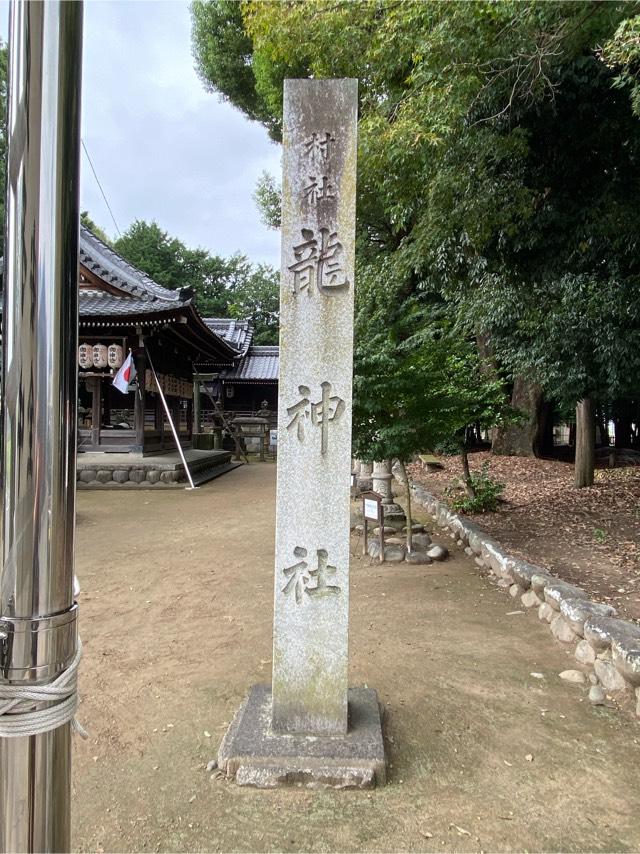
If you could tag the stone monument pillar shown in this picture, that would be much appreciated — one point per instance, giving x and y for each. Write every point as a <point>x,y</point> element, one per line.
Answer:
<point>297,732</point>
<point>314,447</point>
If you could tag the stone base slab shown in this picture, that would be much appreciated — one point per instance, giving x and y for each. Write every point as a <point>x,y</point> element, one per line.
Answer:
<point>100,470</point>
<point>253,755</point>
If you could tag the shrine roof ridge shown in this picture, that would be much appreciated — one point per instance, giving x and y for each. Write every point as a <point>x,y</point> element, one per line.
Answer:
<point>262,362</point>
<point>99,303</point>
<point>237,333</point>
<point>112,268</point>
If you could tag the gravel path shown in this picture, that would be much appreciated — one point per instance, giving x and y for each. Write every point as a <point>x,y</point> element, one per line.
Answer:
<point>176,620</point>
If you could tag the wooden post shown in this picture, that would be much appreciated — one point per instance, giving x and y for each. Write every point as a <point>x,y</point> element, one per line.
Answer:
<point>197,406</point>
<point>176,414</point>
<point>368,499</point>
<point>96,410</point>
<point>160,419</point>
<point>106,407</point>
<point>140,395</point>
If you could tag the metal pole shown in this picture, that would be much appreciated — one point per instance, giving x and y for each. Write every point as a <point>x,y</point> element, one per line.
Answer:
<point>37,612</point>
<point>172,425</point>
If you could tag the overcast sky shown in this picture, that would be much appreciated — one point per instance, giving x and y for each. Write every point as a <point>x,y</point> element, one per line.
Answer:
<point>164,148</point>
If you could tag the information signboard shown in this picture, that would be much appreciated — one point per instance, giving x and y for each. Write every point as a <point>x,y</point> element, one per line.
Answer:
<point>373,511</point>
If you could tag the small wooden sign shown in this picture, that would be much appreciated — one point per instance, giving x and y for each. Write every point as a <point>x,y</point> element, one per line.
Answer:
<point>373,511</point>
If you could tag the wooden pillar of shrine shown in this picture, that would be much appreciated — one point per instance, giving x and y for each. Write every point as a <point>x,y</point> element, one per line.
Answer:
<point>141,367</point>
<point>96,410</point>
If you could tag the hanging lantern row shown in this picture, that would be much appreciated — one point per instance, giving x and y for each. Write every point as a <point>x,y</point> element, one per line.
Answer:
<point>100,356</point>
<point>170,386</point>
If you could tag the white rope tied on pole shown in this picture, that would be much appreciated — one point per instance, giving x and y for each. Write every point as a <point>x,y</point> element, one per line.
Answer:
<point>17,719</point>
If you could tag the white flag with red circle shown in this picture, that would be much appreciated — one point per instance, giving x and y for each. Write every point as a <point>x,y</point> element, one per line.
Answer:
<point>125,375</point>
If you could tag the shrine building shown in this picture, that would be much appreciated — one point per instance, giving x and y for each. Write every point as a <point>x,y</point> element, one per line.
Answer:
<point>127,438</point>
<point>122,309</point>
<point>246,387</point>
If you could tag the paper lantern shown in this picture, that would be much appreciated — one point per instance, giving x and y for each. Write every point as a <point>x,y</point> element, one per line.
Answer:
<point>100,358</point>
<point>114,355</point>
<point>85,356</point>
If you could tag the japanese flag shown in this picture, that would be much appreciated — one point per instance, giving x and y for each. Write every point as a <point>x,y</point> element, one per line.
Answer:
<point>124,376</point>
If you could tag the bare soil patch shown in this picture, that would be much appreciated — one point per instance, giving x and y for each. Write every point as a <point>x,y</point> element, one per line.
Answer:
<point>590,537</point>
<point>176,615</point>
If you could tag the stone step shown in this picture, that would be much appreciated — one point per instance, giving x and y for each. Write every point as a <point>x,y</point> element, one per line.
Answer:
<point>205,475</point>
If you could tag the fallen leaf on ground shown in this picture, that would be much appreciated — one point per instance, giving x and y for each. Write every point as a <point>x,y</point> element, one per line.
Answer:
<point>539,493</point>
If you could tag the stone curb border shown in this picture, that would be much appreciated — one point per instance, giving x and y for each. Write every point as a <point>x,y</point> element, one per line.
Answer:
<point>607,648</point>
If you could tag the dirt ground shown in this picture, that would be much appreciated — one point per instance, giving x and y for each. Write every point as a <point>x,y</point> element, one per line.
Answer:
<point>590,537</point>
<point>176,616</point>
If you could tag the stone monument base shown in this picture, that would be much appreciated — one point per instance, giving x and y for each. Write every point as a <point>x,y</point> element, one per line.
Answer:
<point>253,755</point>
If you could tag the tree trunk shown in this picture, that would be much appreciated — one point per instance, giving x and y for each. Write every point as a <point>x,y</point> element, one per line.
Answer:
<point>601,420</point>
<point>523,439</point>
<point>466,473</point>
<point>408,493</point>
<point>546,446</point>
<point>585,442</point>
<point>622,422</point>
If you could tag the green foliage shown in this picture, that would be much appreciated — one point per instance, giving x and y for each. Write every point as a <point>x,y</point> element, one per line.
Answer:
<point>163,257</point>
<point>498,187</point>
<point>447,447</point>
<point>268,198</point>
<point>223,56</point>
<point>86,220</point>
<point>599,535</point>
<point>487,493</point>
<point>256,297</point>
<point>622,54</point>
<point>223,286</point>
<point>416,381</point>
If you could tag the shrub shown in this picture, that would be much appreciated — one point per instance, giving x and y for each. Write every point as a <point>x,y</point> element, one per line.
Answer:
<point>447,447</point>
<point>487,493</point>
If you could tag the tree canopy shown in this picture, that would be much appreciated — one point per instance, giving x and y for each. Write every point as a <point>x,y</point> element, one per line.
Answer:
<point>224,286</point>
<point>89,223</point>
<point>498,164</point>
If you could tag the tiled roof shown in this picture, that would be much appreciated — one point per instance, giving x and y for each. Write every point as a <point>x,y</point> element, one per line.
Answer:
<point>135,293</point>
<point>104,262</point>
<point>260,363</point>
<point>237,333</point>
<point>92,303</point>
